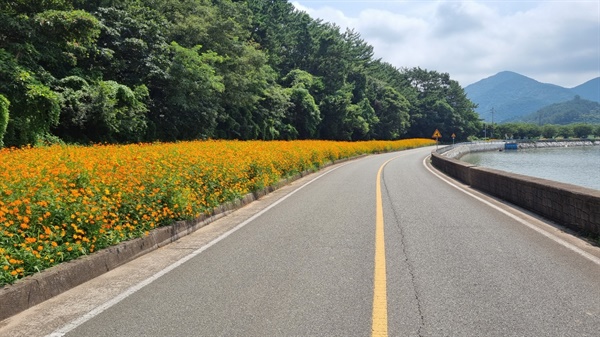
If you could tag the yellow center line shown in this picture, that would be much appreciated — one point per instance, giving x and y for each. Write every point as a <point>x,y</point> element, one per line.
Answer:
<point>379,324</point>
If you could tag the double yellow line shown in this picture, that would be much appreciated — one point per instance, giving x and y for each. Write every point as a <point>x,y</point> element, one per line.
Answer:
<point>379,323</point>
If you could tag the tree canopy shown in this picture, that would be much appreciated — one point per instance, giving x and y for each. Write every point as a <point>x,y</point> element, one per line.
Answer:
<point>146,70</point>
<point>577,110</point>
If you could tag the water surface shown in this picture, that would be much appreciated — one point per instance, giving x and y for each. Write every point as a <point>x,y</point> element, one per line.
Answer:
<point>574,165</point>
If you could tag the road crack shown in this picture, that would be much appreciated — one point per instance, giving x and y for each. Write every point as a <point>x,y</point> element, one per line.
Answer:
<point>409,264</point>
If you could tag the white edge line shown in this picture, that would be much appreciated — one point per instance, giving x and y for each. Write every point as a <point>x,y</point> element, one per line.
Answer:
<point>133,289</point>
<point>552,237</point>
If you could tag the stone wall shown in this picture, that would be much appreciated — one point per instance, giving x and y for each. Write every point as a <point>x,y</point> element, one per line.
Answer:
<point>572,206</point>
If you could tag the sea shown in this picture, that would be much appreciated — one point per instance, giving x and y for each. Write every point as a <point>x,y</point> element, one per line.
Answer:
<point>578,165</point>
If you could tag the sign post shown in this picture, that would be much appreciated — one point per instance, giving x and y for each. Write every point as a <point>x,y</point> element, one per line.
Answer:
<point>436,135</point>
<point>453,136</point>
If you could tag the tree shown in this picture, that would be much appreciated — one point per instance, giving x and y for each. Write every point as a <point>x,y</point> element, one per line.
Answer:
<point>63,38</point>
<point>4,103</point>
<point>272,23</point>
<point>101,112</point>
<point>391,110</point>
<point>191,95</point>
<point>131,48</point>
<point>528,130</point>
<point>273,108</point>
<point>549,131</point>
<point>583,130</point>
<point>246,78</point>
<point>34,107</point>
<point>439,103</point>
<point>303,115</point>
<point>336,108</point>
<point>189,69</point>
<point>566,131</point>
<point>39,42</point>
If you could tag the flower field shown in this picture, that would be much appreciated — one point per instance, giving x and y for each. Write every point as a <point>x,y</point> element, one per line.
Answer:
<point>61,202</point>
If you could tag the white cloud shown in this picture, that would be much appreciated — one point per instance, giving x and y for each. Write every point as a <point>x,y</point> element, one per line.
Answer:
<point>550,41</point>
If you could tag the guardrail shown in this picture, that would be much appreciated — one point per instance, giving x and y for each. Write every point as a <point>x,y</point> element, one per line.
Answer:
<point>569,205</point>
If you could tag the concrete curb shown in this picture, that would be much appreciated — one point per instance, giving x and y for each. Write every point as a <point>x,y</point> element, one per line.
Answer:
<point>34,289</point>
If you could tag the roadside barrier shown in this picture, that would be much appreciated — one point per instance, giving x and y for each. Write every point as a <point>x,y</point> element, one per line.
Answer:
<point>572,206</point>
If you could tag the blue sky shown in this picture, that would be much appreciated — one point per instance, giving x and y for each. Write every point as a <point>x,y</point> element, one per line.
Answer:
<point>551,41</point>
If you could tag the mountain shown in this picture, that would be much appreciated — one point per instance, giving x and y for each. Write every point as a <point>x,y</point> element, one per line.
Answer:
<point>513,95</point>
<point>577,110</point>
<point>589,90</point>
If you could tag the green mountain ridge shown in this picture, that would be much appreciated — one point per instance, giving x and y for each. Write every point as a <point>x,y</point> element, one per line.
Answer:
<point>577,110</point>
<point>511,95</point>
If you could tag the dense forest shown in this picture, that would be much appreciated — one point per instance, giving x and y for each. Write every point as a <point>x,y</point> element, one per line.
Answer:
<point>89,71</point>
<point>577,110</point>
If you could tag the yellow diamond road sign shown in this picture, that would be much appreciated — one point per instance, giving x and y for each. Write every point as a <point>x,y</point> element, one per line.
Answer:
<point>437,134</point>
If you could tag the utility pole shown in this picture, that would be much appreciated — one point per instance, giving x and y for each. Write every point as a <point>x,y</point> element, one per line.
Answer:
<point>484,131</point>
<point>492,131</point>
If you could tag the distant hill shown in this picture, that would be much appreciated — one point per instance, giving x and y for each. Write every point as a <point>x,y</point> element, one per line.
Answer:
<point>589,90</point>
<point>513,95</point>
<point>577,110</point>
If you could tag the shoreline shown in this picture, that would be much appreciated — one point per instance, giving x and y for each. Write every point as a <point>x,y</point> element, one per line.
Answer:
<point>459,150</point>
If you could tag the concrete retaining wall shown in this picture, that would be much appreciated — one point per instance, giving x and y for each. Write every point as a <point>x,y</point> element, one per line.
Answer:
<point>569,205</point>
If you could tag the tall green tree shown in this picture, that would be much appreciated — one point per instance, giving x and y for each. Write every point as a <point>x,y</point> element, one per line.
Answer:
<point>391,109</point>
<point>246,78</point>
<point>191,95</point>
<point>34,107</point>
<point>302,116</point>
<point>4,103</point>
<point>549,131</point>
<point>439,103</point>
<point>583,130</point>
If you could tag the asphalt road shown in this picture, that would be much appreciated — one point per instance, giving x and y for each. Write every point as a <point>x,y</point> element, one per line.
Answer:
<point>305,267</point>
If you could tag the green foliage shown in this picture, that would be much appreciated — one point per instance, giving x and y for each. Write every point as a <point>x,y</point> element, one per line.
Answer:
<point>549,131</point>
<point>34,106</point>
<point>29,7</point>
<point>391,110</point>
<point>62,38</point>
<point>439,103</point>
<point>118,111</point>
<point>191,94</point>
<point>335,109</point>
<point>101,112</point>
<point>566,131</point>
<point>132,47</point>
<point>4,103</point>
<point>126,71</point>
<point>577,110</point>
<point>583,130</point>
<point>246,77</point>
<point>303,114</point>
<point>272,110</point>
<point>533,131</point>
<point>515,131</point>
